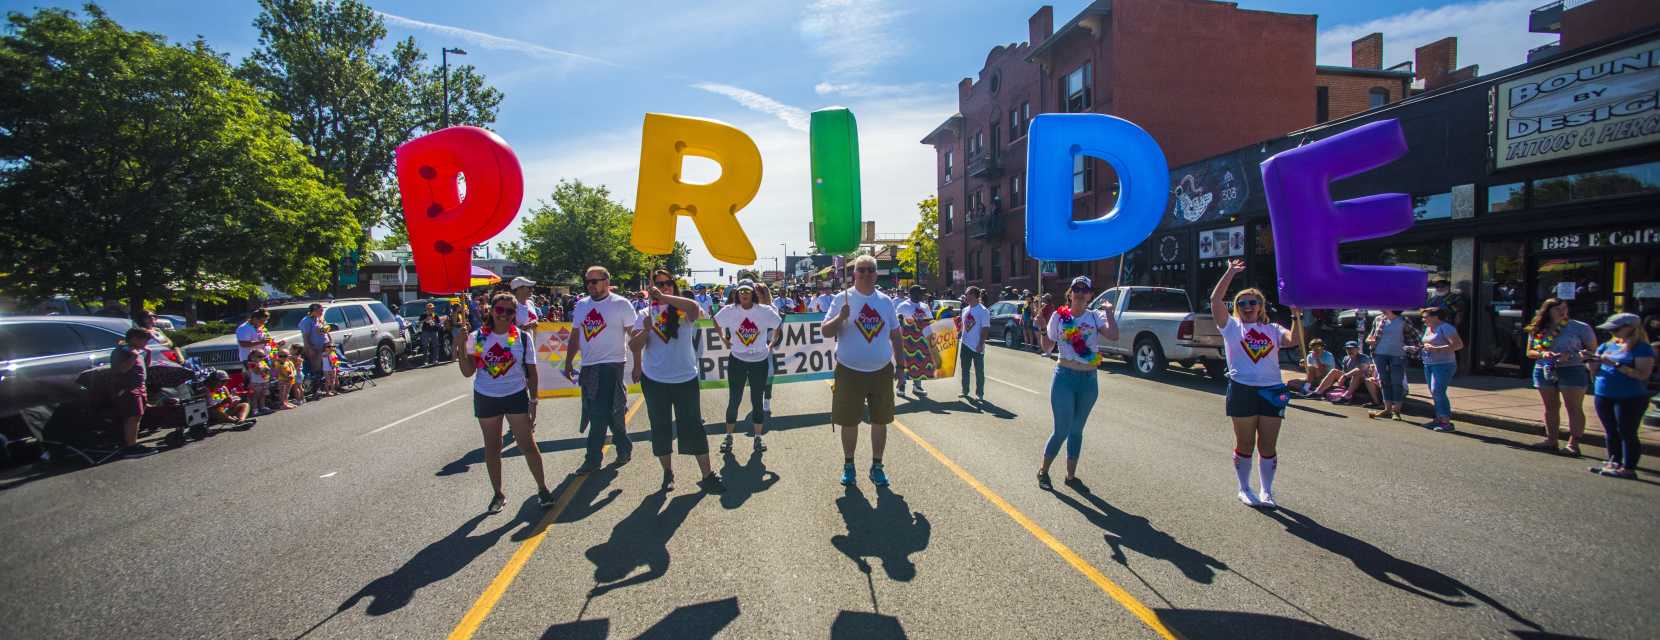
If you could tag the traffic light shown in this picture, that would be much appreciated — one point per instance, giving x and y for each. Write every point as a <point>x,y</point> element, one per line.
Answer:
<point>723,272</point>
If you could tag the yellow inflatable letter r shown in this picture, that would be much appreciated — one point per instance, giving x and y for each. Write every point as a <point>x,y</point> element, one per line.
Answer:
<point>665,142</point>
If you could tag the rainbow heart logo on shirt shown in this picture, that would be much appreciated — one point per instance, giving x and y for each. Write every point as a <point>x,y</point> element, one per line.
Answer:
<point>869,323</point>
<point>659,320</point>
<point>1257,345</point>
<point>747,332</point>
<point>593,324</point>
<point>968,322</point>
<point>497,360</point>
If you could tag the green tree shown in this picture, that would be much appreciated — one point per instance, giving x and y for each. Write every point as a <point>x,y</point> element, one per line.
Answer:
<point>137,170</point>
<point>352,106</point>
<point>921,255</point>
<point>581,226</point>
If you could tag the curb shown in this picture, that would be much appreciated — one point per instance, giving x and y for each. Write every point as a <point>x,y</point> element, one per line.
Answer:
<point>1593,433</point>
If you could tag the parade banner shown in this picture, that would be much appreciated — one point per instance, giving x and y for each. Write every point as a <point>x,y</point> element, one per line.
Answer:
<point>805,354</point>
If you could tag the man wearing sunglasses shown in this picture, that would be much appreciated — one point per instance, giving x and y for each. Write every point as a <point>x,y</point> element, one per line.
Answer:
<point>864,366</point>
<point>599,329</point>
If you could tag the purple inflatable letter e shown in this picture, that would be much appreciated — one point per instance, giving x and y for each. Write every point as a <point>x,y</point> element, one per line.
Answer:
<point>1308,226</point>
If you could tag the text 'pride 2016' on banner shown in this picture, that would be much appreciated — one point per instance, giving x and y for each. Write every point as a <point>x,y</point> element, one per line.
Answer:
<point>1308,225</point>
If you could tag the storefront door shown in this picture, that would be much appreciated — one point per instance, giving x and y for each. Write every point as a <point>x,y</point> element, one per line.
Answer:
<point>1581,281</point>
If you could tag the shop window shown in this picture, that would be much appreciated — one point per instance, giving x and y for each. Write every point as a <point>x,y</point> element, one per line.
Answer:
<point>1500,311</point>
<point>1505,197</point>
<point>1077,90</point>
<point>1435,206</point>
<point>1432,257</point>
<point>1622,181</point>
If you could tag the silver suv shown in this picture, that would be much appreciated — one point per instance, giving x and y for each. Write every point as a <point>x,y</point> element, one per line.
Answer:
<point>364,329</point>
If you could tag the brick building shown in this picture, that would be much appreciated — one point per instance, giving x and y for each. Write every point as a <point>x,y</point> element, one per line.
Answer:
<point>1201,76</point>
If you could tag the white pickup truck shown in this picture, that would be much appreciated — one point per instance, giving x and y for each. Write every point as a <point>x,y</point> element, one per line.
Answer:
<point>1157,326</point>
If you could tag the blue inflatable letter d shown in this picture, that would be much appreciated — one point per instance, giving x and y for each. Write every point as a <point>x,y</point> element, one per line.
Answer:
<point>1143,178</point>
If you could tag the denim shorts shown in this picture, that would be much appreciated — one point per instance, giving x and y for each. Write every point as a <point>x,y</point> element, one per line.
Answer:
<point>1574,376</point>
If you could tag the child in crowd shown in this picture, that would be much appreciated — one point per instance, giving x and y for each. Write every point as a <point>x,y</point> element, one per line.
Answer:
<point>331,365</point>
<point>296,354</point>
<point>227,407</point>
<point>256,374</point>
<point>287,375</point>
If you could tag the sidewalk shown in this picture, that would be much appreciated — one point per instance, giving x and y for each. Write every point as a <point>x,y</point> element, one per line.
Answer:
<point>1504,403</point>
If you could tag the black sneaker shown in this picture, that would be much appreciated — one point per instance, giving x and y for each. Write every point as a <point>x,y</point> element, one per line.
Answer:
<point>496,504</point>
<point>1045,483</point>
<point>544,498</point>
<point>760,446</point>
<point>712,484</point>
<point>726,445</point>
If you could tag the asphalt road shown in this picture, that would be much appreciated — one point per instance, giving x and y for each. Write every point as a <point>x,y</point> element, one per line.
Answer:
<point>360,517</point>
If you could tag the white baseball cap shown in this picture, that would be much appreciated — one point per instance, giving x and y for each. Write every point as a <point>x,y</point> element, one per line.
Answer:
<point>522,281</point>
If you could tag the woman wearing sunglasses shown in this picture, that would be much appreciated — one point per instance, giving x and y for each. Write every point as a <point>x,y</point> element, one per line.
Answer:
<point>500,359</point>
<point>1256,393</point>
<point>1071,332</point>
<point>664,342</point>
<point>749,326</point>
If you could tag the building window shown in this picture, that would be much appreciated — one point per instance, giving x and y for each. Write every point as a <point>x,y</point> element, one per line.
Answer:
<point>1025,112</point>
<point>1379,96</point>
<point>946,213</point>
<point>996,265</point>
<point>1435,206</point>
<point>948,167</point>
<point>1322,104</point>
<point>978,143</point>
<point>1083,174</point>
<point>976,202</point>
<point>1504,197</point>
<point>996,199</point>
<point>949,269</point>
<point>1621,181</point>
<point>1077,90</point>
<point>1014,191</point>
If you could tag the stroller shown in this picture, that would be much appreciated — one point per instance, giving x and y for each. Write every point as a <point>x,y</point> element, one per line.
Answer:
<point>352,375</point>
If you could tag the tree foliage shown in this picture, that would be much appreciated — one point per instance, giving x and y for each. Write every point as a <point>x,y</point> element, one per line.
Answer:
<point>921,255</point>
<point>353,106</point>
<point>133,169</point>
<point>580,226</point>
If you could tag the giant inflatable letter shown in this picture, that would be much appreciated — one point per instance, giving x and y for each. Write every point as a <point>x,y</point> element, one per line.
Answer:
<point>1308,226</point>
<point>443,227</point>
<point>1143,177</point>
<point>664,144</point>
<point>835,152</point>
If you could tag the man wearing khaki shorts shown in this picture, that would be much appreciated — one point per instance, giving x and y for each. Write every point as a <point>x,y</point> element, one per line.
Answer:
<point>863,322</point>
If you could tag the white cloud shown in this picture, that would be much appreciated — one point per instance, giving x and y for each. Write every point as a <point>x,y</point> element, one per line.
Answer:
<point>896,171</point>
<point>872,90</point>
<point>854,36</point>
<point>489,41</point>
<point>1492,34</point>
<point>793,117</point>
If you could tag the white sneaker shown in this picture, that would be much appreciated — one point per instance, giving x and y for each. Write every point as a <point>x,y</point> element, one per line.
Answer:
<point>1246,497</point>
<point>1267,501</point>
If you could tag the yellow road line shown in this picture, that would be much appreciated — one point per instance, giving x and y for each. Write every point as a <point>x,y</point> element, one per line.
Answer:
<point>487,601</point>
<point>1118,593</point>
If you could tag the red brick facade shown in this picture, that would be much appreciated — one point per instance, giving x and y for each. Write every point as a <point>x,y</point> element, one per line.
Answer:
<point>1594,22</point>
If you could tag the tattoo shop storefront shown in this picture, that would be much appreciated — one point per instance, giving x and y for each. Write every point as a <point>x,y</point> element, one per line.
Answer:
<point>1535,182</point>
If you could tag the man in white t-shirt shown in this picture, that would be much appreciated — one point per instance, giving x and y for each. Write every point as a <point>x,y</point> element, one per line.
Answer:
<point>866,328</point>
<point>971,333</point>
<point>251,335</point>
<point>914,315</point>
<point>526,317</point>
<point>822,302</point>
<point>599,329</point>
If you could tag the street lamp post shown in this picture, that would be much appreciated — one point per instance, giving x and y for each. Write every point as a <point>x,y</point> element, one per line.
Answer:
<point>444,57</point>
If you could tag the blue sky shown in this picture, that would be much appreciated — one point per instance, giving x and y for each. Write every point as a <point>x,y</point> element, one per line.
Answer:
<point>579,76</point>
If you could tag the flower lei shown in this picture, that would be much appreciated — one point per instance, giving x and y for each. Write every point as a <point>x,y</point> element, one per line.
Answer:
<point>270,347</point>
<point>498,368</point>
<point>221,396</point>
<point>1073,335</point>
<point>1541,342</point>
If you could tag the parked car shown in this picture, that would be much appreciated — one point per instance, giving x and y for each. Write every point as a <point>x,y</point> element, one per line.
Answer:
<point>947,308</point>
<point>1005,321</point>
<point>364,328</point>
<point>1157,326</point>
<point>35,351</point>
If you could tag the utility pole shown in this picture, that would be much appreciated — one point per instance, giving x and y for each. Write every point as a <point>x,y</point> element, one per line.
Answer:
<point>444,57</point>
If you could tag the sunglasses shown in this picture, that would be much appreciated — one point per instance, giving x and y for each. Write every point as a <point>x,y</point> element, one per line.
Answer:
<point>663,283</point>
<point>864,271</point>
<point>1081,288</point>
<point>505,310</point>
<point>1248,302</point>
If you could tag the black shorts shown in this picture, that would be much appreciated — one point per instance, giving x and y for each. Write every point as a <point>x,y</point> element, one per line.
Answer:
<point>492,407</point>
<point>1246,401</point>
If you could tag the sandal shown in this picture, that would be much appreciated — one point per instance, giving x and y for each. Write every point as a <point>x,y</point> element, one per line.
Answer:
<point>1571,450</point>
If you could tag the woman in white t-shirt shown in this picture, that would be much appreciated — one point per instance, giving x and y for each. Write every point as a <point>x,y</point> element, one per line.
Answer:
<point>664,342</point>
<point>1257,395</point>
<point>749,328</point>
<point>1071,332</point>
<point>500,359</point>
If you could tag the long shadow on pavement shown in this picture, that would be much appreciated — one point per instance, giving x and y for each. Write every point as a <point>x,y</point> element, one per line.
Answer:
<point>1200,623</point>
<point>745,480</point>
<point>691,622</point>
<point>437,561</point>
<point>1127,530</point>
<point>858,625</point>
<point>640,539</point>
<point>1401,574</point>
<point>889,531</point>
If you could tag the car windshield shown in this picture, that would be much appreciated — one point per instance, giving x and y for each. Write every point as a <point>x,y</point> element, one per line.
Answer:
<point>414,308</point>
<point>285,319</point>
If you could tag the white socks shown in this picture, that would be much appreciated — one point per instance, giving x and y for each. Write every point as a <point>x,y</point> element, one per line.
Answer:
<point>1242,468</point>
<point>1270,464</point>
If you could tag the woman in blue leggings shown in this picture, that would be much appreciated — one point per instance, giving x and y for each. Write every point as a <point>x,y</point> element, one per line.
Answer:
<point>1071,332</point>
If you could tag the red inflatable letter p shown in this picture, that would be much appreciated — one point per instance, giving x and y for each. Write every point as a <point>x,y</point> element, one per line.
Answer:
<point>443,227</point>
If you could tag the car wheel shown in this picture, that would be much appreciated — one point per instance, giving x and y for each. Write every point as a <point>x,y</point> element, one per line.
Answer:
<point>385,360</point>
<point>1149,358</point>
<point>1008,336</point>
